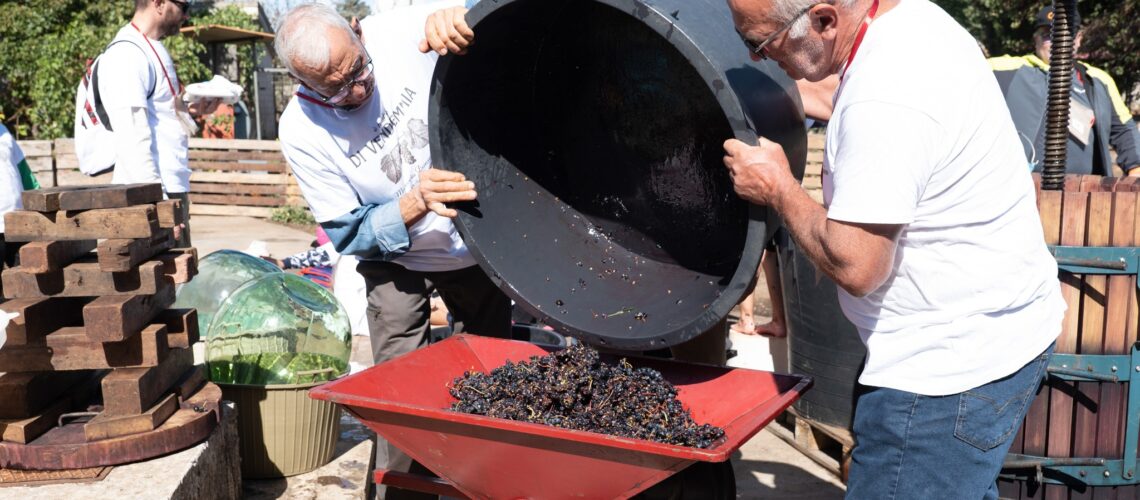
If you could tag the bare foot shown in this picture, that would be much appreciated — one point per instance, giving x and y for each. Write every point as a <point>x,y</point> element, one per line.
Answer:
<point>746,327</point>
<point>772,329</point>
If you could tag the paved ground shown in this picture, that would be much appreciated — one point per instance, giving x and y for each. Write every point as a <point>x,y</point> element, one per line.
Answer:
<point>766,466</point>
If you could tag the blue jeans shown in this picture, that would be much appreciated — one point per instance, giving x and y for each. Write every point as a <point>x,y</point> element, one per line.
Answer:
<point>909,446</point>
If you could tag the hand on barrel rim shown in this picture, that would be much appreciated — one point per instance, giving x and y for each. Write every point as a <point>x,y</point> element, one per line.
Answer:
<point>447,32</point>
<point>760,174</point>
<point>436,188</point>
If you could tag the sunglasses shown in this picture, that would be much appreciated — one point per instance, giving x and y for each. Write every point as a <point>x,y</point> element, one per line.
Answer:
<point>183,6</point>
<point>360,77</point>
<point>759,48</point>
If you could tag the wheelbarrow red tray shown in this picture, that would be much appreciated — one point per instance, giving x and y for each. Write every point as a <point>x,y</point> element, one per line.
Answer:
<point>405,400</point>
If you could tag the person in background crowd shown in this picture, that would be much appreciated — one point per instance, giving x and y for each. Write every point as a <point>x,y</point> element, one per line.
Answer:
<point>15,178</point>
<point>1098,117</point>
<point>930,230</point>
<point>141,92</point>
<point>358,145</point>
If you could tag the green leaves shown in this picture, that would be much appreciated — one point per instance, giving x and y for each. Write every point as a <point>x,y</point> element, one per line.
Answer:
<point>44,46</point>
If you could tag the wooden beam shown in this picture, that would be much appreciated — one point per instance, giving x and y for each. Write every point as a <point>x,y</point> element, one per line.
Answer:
<point>130,222</point>
<point>122,254</point>
<point>130,391</point>
<point>39,317</point>
<point>69,349</point>
<point>114,318</point>
<point>181,327</point>
<point>27,429</point>
<point>83,279</point>
<point>22,395</point>
<point>169,213</point>
<point>47,256</point>
<point>106,426</point>
<point>179,264</point>
<point>91,197</point>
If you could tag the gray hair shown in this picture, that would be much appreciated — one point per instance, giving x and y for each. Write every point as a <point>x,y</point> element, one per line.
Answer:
<point>302,35</point>
<point>785,10</point>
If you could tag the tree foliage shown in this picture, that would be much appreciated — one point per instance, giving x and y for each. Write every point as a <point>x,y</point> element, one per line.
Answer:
<point>44,53</point>
<point>1109,40</point>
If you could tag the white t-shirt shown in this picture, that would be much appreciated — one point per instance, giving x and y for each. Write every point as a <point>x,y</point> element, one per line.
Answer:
<point>921,136</point>
<point>10,183</point>
<point>128,71</point>
<point>373,154</point>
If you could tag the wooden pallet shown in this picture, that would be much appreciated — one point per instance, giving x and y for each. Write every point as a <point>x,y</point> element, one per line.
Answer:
<point>827,445</point>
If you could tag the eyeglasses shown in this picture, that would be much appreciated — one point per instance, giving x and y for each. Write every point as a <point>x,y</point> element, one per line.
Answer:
<point>360,78</point>
<point>183,6</point>
<point>759,49</point>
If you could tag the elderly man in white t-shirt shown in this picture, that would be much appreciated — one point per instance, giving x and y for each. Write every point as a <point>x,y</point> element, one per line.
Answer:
<point>358,144</point>
<point>929,228</point>
<point>141,94</point>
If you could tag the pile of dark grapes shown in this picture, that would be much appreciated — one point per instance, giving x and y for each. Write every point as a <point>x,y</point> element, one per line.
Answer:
<point>574,389</point>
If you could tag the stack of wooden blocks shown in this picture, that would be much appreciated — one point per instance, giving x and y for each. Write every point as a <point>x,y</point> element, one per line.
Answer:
<point>89,320</point>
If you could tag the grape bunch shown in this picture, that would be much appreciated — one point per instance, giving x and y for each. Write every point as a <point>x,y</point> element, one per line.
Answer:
<point>574,389</point>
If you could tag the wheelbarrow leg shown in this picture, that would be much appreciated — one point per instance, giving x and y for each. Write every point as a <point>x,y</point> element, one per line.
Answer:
<point>416,482</point>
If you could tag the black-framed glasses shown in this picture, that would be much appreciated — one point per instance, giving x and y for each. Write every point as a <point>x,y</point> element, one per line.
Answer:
<point>360,78</point>
<point>758,48</point>
<point>183,6</point>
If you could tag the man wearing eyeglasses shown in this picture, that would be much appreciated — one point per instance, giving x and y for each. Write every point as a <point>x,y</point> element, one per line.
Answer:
<point>356,136</point>
<point>141,94</point>
<point>929,228</point>
<point>1098,117</point>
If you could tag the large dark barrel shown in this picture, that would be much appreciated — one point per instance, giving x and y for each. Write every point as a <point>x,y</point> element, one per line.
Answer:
<point>822,342</point>
<point>594,130</point>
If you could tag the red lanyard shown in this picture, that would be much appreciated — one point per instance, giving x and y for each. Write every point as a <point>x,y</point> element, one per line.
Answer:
<point>169,82</point>
<point>859,37</point>
<point>318,102</point>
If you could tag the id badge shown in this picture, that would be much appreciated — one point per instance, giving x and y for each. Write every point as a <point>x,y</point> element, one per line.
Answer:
<point>1081,122</point>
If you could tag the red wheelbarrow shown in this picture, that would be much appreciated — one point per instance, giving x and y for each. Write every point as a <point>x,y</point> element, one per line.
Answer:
<point>405,400</point>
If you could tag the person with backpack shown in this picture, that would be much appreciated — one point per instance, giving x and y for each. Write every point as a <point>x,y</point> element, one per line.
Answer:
<point>1098,117</point>
<point>129,113</point>
<point>15,178</point>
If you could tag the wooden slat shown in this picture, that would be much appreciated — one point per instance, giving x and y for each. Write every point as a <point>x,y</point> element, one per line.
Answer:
<point>203,209</point>
<point>181,326</point>
<point>1074,216</point>
<point>49,256</point>
<point>231,156</point>
<point>91,197</point>
<point>115,318</point>
<point>130,391</point>
<point>40,166</point>
<point>234,144</point>
<point>129,222</point>
<point>83,279</point>
<point>65,146</point>
<point>35,148</point>
<point>120,255</point>
<point>23,395</point>
<point>240,166</point>
<point>39,317</point>
<point>110,426</point>
<point>221,199</point>
<point>1091,339</point>
<point>258,189</point>
<point>24,430</point>
<point>239,178</point>
<point>169,213</point>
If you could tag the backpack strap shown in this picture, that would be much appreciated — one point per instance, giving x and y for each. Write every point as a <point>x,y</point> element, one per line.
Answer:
<point>100,110</point>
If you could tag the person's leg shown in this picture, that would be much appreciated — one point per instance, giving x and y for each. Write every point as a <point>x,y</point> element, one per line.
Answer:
<point>476,305</point>
<point>398,313</point>
<point>770,264</point>
<point>747,323</point>
<point>934,447</point>
<point>184,239</point>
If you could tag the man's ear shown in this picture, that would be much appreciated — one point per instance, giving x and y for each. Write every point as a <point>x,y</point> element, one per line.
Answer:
<point>824,20</point>
<point>355,24</point>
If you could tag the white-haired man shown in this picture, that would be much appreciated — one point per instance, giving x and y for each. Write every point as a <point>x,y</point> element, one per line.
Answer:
<point>929,228</point>
<point>358,144</point>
